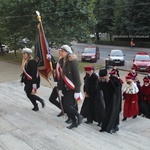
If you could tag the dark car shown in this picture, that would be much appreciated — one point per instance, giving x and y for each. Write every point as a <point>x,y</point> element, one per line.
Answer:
<point>116,57</point>
<point>141,61</point>
<point>91,54</point>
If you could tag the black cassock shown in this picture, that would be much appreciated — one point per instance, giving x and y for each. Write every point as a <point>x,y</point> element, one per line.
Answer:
<point>84,108</point>
<point>93,107</point>
<point>112,98</point>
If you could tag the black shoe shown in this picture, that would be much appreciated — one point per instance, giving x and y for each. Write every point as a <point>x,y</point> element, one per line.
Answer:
<point>60,114</point>
<point>69,121</point>
<point>102,130</point>
<point>134,116</point>
<point>116,129</point>
<point>99,124</point>
<point>111,131</point>
<point>88,122</point>
<point>124,119</point>
<point>42,103</point>
<point>35,108</point>
<point>80,118</point>
<point>73,125</point>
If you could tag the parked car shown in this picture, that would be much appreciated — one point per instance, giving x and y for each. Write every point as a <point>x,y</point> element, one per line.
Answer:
<point>116,57</point>
<point>91,54</point>
<point>141,61</point>
<point>148,69</point>
<point>5,48</point>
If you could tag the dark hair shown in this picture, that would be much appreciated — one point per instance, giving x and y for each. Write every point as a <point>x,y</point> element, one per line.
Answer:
<point>102,72</point>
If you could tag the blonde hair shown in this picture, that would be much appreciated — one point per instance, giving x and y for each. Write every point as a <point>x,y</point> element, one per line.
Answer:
<point>25,62</point>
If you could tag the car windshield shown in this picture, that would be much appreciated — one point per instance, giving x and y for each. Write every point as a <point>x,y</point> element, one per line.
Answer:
<point>142,57</point>
<point>89,50</point>
<point>116,53</point>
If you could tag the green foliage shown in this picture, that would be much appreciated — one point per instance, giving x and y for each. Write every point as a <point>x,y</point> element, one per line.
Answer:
<point>65,20</point>
<point>132,17</point>
<point>71,20</point>
<point>12,58</point>
<point>118,23</point>
<point>104,12</point>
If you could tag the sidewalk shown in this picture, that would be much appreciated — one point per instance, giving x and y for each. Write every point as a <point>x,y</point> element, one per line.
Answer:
<point>11,72</point>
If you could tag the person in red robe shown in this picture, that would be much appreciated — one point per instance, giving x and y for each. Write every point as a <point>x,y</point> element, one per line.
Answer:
<point>130,96</point>
<point>134,77</point>
<point>133,74</point>
<point>145,97</point>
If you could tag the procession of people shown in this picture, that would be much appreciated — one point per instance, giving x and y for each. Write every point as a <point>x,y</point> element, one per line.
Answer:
<point>105,94</point>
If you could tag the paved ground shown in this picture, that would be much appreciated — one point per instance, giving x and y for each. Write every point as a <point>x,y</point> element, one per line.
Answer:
<point>23,129</point>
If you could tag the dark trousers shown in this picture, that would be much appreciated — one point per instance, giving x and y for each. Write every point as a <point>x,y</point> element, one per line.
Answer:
<point>70,105</point>
<point>53,98</point>
<point>32,98</point>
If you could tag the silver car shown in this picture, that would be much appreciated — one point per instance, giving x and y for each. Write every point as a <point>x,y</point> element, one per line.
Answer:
<point>5,48</point>
<point>116,57</point>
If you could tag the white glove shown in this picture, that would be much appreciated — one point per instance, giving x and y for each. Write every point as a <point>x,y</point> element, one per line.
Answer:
<point>34,88</point>
<point>55,84</point>
<point>78,96</point>
<point>48,56</point>
<point>60,93</point>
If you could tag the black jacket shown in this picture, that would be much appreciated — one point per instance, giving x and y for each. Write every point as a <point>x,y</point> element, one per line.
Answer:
<point>30,73</point>
<point>70,70</point>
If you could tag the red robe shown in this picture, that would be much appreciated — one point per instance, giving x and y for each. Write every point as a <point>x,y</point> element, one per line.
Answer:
<point>130,105</point>
<point>130,94</point>
<point>145,93</point>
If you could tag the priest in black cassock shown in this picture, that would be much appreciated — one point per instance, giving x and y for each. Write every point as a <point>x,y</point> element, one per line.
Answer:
<point>110,86</point>
<point>93,106</point>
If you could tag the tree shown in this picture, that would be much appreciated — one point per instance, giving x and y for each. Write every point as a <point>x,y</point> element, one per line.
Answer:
<point>118,22</point>
<point>137,17</point>
<point>63,20</point>
<point>104,11</point>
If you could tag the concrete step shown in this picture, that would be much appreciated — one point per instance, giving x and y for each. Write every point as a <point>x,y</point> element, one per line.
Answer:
<point>23,129</point>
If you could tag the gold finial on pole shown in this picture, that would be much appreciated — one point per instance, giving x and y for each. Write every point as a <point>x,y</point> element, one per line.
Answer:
<point>38,16</point>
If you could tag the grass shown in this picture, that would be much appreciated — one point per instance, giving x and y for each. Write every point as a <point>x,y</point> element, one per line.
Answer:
<point>83,64</point>
<point>10,57</point>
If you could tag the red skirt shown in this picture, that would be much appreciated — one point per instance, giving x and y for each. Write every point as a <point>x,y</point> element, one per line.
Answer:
<point>130,105</point>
